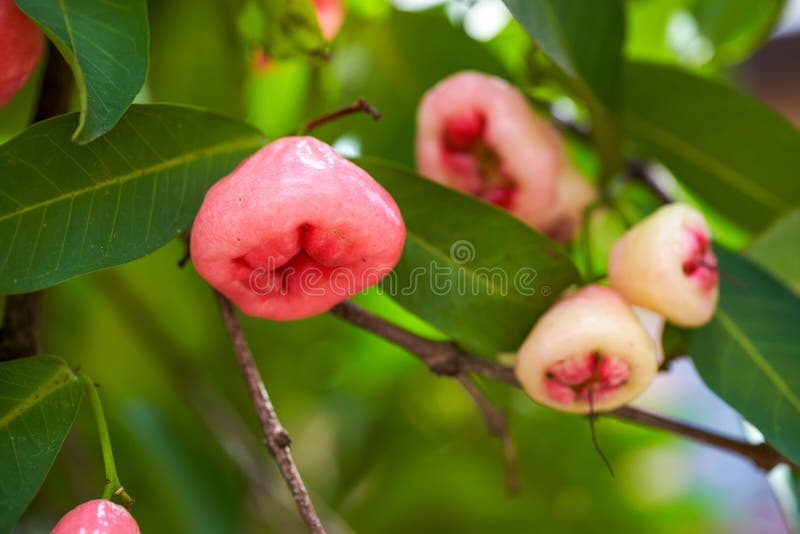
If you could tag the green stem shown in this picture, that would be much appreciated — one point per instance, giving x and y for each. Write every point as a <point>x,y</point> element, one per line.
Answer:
<point>587,238</point>
<point>113,485</point>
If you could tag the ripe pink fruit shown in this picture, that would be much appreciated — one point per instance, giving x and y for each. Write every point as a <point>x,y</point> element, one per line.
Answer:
<point>477,133</point>
<point>588,343</point>
<point>665,264</point>
<point>330,16</point>
<point>97,517</point>
<point>21,46</point>
<point>295,229</point>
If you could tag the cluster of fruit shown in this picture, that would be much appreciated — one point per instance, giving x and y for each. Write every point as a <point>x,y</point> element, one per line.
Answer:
<point>296,213</point>
<point>590,351</point>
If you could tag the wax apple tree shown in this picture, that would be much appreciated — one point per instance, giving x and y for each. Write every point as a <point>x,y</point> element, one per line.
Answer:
<point>360,266</point>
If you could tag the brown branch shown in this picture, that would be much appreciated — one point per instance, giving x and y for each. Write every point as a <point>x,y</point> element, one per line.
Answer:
<point>358,106</point>
<point>276,438</point>
<point>56,86</point>
<point>442,357</point>
<point>19,335</point>
<point>498,426</point>
<point>446,358</point>
<point>762,455</point>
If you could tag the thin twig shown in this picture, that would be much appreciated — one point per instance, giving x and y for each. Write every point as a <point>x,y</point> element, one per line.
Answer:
<point>359,106</point>
<point>640,170</point>
<point>446,358</point>
<point>498,426</point>
<point>276,438</point>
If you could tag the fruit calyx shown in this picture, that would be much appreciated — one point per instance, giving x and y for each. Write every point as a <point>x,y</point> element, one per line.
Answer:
<point>592,378</point>
<point>701,263</point>
<point>463,137</point>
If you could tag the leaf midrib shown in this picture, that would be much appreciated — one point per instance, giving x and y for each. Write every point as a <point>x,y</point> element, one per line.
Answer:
<point>438,254</point>
<point>702,161</point>
<point>185,158</point>
<point>757,358</point>
<point>61,378</point>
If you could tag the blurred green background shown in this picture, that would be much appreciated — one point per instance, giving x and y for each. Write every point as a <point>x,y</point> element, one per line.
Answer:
<point>384,445</point>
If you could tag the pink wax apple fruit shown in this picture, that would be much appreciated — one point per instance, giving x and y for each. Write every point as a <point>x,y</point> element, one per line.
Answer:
<point>478,134</point>
<point>99,516</point>
<point>21,45</point>
<point>294,230</point>
<point>330,16</point>
<point>587,351</point>
<point>665,264</point>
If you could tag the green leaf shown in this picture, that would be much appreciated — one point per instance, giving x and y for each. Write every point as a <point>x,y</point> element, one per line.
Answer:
<point>736,153</point>
<point>735,28</point>
<point>66,210</point>
<point>584,38</point>
<point>290,29</point>
<point>105,42</point>
<point>747,354</point>
<point>776,250</point>
<point>469,268</point>
<point>40,399</point>
<point>698,33</point>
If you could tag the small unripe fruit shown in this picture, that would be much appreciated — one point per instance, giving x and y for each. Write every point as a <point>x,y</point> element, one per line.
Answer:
<point>295,229</point>
<point>21,46</point>
<point>478,134</point>
<point>97,517</point>
<point>574,196</point>
<point>588,347</point>
<point>330,15</point>
<point>665,264</point>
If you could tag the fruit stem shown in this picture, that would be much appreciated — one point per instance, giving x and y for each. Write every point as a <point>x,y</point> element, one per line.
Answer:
<point>113,485</point>
<point>592,417</point>
<point>587,238</point>
<point>360,105</point>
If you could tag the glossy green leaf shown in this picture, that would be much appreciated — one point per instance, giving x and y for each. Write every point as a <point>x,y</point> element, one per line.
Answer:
<point>470,269</point>
<point>747,354</point>
<point>776,250</point>
<point>66,209</point>
<point>583,37</point>
<point>105,42</point>
<point>736,153</point>
<point>39,401</point>
<point>735,28</point>
<point>698,33</point>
